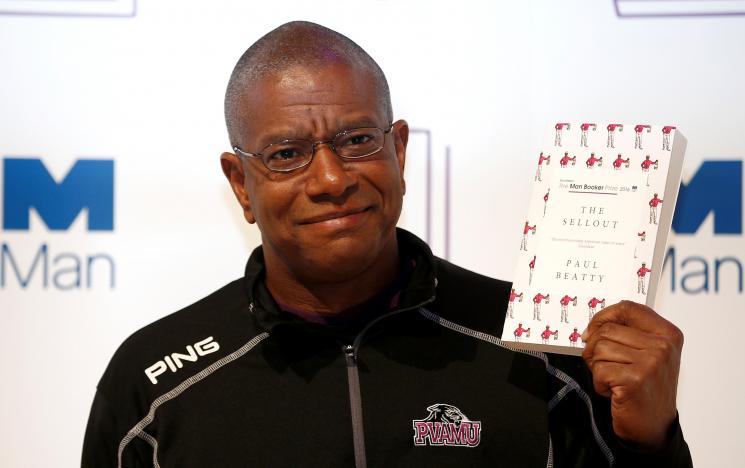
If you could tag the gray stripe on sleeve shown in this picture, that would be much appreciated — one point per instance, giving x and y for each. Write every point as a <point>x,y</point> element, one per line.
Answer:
<point>138,428</point>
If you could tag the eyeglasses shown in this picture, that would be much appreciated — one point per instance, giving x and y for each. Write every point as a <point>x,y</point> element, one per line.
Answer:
<point>288,155</point>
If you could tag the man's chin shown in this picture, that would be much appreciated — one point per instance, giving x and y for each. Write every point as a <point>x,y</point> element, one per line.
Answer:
<point>341,259</point>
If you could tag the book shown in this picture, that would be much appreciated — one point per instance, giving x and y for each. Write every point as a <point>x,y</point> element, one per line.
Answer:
<point>596,230</point>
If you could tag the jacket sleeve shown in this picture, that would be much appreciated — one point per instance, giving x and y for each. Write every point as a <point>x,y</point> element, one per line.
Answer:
<point>113,413</point>
<point>100,445</point>
<point>574,439</point>
<point>108,423</point>
<point>675,452</point>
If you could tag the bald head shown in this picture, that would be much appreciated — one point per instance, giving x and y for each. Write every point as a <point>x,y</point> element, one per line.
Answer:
<point>297,44</point>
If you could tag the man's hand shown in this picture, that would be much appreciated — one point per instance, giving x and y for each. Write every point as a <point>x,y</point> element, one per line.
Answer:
<point>634,357</point>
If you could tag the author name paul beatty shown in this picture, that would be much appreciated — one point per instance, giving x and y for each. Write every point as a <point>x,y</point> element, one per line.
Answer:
<point>580,270</point>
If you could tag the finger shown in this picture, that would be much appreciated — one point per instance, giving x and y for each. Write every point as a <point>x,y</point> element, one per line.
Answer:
<point>620,381</point>
<point>613,379</point>
<point>603,376</point>
<point>633,315</point>
<point>636,417</point>
<point>610,351</point>
<point>621,334</point>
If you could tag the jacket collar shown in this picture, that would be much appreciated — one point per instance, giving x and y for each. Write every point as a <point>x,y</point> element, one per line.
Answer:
<point>419,288</point>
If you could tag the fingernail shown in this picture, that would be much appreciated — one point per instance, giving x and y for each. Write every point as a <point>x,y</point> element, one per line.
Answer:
<point>585,335</point>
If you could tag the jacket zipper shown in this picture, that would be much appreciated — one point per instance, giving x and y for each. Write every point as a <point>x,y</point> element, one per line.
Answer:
<point>353,378</point>
<point>355,402</point>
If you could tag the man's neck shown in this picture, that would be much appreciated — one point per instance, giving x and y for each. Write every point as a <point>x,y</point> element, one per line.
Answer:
<point>323,297</point>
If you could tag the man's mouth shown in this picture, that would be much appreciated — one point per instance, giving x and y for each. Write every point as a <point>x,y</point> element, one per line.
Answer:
<point>336,216</point>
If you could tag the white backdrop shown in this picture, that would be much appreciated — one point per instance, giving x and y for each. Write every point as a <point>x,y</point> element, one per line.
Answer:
<point>142,84</point>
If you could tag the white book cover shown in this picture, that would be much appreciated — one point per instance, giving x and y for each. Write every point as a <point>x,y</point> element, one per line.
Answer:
<point>596,230</point>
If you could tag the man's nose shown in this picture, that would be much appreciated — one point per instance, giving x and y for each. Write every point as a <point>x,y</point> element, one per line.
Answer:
<point>327,174</point>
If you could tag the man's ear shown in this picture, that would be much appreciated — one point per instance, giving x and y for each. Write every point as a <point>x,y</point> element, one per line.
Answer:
<point>236,175</point>
<point>400,132</point>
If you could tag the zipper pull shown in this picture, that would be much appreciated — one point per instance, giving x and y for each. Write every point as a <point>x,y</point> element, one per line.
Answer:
<point>349,354</point>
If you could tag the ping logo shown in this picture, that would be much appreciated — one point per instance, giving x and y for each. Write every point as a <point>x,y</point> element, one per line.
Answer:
<point>175,361</point>
<point>446,425</point>
<point>28,184</point>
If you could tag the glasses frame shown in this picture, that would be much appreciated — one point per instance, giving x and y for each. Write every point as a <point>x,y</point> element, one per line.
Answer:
<point>260,155</point>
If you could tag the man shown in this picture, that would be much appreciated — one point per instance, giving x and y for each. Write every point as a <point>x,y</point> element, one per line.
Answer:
<point>541,159</point>
<point>527,229</point>
<point>666,131</point>
<point>566,159</point>
<point>590,163</point>
<point>654,202</point>
<point>593,304</point>
<point>585,127</point>
<point>612,134</point>
<point>638,131</point>
<point>646,164</point>
<point>546,334</point>
<point>345,332</point>
<point>511,301</point>
<point>619,161</point>
<point>565,306</point>
<point>537,299</point>
<point>642,237</point>
<point>519,331</point>
<point>641,274</point>
<point>559,127</point>
<point>574,338</point>
<point>531,268</point>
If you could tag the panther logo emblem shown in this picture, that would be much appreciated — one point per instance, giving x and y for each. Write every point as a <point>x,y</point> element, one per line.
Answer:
<point>446,425</point>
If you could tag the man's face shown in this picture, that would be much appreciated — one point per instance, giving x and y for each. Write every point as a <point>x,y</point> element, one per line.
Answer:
<point>331,219</point>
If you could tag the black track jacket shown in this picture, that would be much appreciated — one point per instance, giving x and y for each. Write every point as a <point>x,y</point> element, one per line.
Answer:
<point>233,381</point>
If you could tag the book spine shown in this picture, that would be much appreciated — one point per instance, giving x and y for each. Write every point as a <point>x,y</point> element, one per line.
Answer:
<point>672,185</point>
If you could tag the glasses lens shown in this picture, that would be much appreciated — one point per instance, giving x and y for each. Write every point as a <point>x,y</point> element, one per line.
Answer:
<point>359,142</point>
<point>287,155</point>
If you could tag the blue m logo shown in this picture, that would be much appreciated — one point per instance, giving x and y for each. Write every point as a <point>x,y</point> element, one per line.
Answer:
<point>716,187</point>
<point>28,184</point>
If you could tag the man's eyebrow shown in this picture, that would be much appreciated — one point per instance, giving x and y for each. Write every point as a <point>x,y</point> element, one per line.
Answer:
<point>346,124</point>
<point>290,133</point>
<point>277,135</point>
